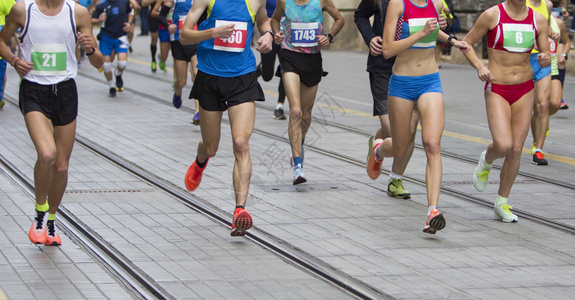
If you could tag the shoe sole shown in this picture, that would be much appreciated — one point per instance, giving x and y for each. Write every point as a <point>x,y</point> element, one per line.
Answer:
<point>242,222</point>
<point>299,180</point>
<point>540,163</point>
<point>196,122</point>
<point>435,224</point>
<point>400,196</point>
<point>53,243</point>
<point>505,220</point>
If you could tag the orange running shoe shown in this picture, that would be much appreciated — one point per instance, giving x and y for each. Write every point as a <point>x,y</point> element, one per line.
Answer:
<point>53,239</point>
<point>241,222</point>
<point>194,175</point>
<point>373,165</point>
<point>37,233</point>
<point>435,222</point>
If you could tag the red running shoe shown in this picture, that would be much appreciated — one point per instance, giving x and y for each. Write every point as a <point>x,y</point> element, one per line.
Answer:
<point>242,221</point>
<point>37,233</point>
<point>194,175</point>
<point>53,239</point>
<point>373,165</point>
<point>435,222</point>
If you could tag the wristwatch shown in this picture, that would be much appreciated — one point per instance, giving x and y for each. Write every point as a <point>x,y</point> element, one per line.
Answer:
<point>451,37</point>
<point>90,53</point>
<point>330,37</point>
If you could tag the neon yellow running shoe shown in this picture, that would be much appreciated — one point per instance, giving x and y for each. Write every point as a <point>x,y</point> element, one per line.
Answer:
<point>2,103</point>
<point>481,174</point>
<point>533,149</point>
<point>395,189</point>
<point>547,132</point>
<point>163,66</point>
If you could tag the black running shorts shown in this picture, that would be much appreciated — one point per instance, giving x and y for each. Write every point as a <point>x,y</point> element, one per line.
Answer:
<point>307,66</point>
<point>183,52</point>
<point>216,93</point>
<point>379,83</point>
<point>58,102</point>
<point>153,23</point>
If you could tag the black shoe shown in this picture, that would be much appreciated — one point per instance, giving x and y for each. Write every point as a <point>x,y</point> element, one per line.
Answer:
<point>324,73</point>
<point>119,83</point>
<point>279,114</point>
<point>259,69</point>
<point>112,92</point>
<point>130,49</point>
<point>539,160</point>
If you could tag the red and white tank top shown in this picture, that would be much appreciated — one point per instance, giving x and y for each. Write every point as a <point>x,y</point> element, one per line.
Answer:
<point>511,35</point>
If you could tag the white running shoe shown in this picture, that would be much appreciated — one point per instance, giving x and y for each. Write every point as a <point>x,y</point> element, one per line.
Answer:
<point>502,211</point>
<point>298,175</point>
<point>481,174</point>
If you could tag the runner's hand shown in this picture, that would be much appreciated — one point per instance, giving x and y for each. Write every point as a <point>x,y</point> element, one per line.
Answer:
<point>544,60</point>
<point>85,42</point>
<point>278,37</point>
<point>223,32</point>
<point>322,40</point>
<point>375,46</point>
<point>484,74</point>
<point>265,43</point>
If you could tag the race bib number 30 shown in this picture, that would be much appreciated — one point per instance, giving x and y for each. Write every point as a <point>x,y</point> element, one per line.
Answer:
<point>304,34</point>
<point>49,59</point>
<point>237,41</point>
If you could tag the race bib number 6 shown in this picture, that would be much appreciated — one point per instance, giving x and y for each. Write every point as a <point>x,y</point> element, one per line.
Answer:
<point>304,34</point>
<point>49,59</point>
<point>237,41</point>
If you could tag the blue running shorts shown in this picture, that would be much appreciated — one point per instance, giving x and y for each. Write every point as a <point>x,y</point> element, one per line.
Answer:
<point>412,87</point>
<point>538,72</point>
<point>108,45</point>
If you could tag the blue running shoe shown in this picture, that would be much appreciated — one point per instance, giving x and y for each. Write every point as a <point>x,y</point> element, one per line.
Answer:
<point>119,83</point>
<point>177,101</point>
<point>196,120</point>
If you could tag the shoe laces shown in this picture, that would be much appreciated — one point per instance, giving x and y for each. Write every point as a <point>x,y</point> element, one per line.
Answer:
<point>507,208</point>
<point>484,175</point>
<point>39,219</point>
<point>51,228</point>
<point>397,183</point>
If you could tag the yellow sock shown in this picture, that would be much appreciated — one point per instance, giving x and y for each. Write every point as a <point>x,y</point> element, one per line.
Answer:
<point>43,207</point>
<point>51,217</point>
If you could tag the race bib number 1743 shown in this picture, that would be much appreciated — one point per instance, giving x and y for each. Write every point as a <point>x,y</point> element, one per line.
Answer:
<point>304,34</point>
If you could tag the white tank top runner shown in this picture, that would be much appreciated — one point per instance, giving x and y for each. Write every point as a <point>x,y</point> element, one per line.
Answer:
<point>49,42</point>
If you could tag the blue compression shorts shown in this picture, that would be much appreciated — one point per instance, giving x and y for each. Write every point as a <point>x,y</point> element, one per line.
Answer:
<point>412,87</point>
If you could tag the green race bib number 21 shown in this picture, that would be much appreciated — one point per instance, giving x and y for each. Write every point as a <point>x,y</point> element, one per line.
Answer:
<point>49,59</point>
